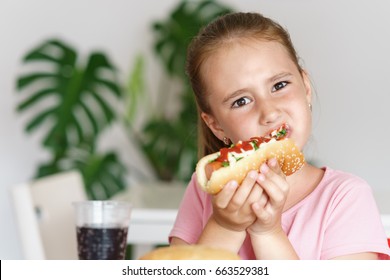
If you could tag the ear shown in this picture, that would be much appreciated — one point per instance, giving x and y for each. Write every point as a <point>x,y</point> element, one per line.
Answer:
<point>307,84</point>
<point>213,124</point>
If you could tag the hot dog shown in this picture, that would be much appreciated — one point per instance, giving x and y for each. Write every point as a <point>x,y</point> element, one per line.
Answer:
<point>214,171</point>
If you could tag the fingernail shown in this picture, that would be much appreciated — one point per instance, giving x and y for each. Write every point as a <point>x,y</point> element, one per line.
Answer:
<point>252,174</point>
<point>272,162</point>
<point>261,178</point>
<point>233,184</point>
<point>264,168</point>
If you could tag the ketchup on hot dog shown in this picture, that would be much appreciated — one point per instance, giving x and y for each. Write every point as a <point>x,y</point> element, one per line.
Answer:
<point>241,147</point>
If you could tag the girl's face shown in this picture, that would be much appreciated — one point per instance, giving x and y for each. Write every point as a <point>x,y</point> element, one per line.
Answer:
<point>254,87</point>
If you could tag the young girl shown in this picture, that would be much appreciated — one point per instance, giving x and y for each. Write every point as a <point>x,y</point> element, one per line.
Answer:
<point>247,81</point>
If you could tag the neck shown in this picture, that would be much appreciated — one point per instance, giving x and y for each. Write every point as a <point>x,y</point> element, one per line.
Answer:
<point>302,183</point>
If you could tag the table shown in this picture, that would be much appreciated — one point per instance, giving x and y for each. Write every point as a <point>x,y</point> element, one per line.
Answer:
<point>154,211</point>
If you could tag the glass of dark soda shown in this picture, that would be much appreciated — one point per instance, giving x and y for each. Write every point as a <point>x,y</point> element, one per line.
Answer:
<point>101,228</point>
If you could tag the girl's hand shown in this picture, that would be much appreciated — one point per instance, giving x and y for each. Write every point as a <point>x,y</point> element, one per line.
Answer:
<point>268,209</point>
<point>232,206</point>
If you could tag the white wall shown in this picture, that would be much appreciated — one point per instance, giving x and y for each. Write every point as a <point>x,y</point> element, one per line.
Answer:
<point>344,45</point>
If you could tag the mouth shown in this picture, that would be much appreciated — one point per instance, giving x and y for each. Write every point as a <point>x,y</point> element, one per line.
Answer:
<point>283,129</point>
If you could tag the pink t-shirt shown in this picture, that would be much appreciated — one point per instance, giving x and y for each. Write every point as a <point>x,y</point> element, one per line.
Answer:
<point>339,217</point>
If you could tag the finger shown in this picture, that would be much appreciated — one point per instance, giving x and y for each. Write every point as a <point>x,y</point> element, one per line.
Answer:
<point>255,194</point>
<point>274,165</point>
<point>223,198</point>
<point>261,212</point>
<point>244,190</point>
<point>274,185</point>
<point>275,194</point>
<point>263,199</point>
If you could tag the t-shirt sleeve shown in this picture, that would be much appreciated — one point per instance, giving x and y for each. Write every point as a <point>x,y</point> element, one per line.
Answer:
<point>189,221</point>
<point>354,223</point>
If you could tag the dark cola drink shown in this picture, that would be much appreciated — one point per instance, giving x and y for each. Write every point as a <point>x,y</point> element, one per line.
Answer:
<point>96,243</point>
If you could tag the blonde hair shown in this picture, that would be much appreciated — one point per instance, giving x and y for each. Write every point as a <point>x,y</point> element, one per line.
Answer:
<point>226,30</point>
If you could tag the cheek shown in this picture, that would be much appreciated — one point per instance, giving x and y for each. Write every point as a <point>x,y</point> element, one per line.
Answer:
<point>243,130</point>
<point>304,125</point>
<point>236,129</point>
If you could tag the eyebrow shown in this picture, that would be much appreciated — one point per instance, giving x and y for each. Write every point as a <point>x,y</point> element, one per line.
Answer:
<point>279,76</point>
<point>232,96</point>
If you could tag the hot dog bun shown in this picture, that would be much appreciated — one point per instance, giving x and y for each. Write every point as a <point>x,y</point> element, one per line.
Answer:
<point>285,151</point>
<point>189,252</point>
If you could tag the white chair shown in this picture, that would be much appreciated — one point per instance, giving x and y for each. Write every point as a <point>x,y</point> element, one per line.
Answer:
<point>45,215</point>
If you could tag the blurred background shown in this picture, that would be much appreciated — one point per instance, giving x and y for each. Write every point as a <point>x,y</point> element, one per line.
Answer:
<point>122,112</point>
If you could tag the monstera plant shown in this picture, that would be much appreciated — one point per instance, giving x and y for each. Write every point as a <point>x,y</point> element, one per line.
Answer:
<point>70,102</point>
<point>171,143</point>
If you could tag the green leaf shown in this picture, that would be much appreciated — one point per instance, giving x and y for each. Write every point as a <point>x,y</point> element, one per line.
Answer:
<point>91,118</point>
<point>96,173</point>
<point>135,88</point>
<point>38,120</point>
<point>48,51</point>
<point>29,79</point>
<point>170,144</point>
<point>75,87</point>
<point>108,113</point>
<point>75,120</point>
<point>113,87</point>
<point>41,57</point>
<point>174,35</point>
<point>80,132</point>
<point>35,97</point>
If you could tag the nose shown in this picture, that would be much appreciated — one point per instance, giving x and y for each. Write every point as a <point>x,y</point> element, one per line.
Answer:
<point>269,112</point>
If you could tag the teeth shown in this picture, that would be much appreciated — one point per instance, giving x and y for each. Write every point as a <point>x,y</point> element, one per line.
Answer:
<point>275,131</point>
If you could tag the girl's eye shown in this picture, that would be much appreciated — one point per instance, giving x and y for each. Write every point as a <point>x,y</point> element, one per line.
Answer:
<point>279,86</point>
<point>241,102</point>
